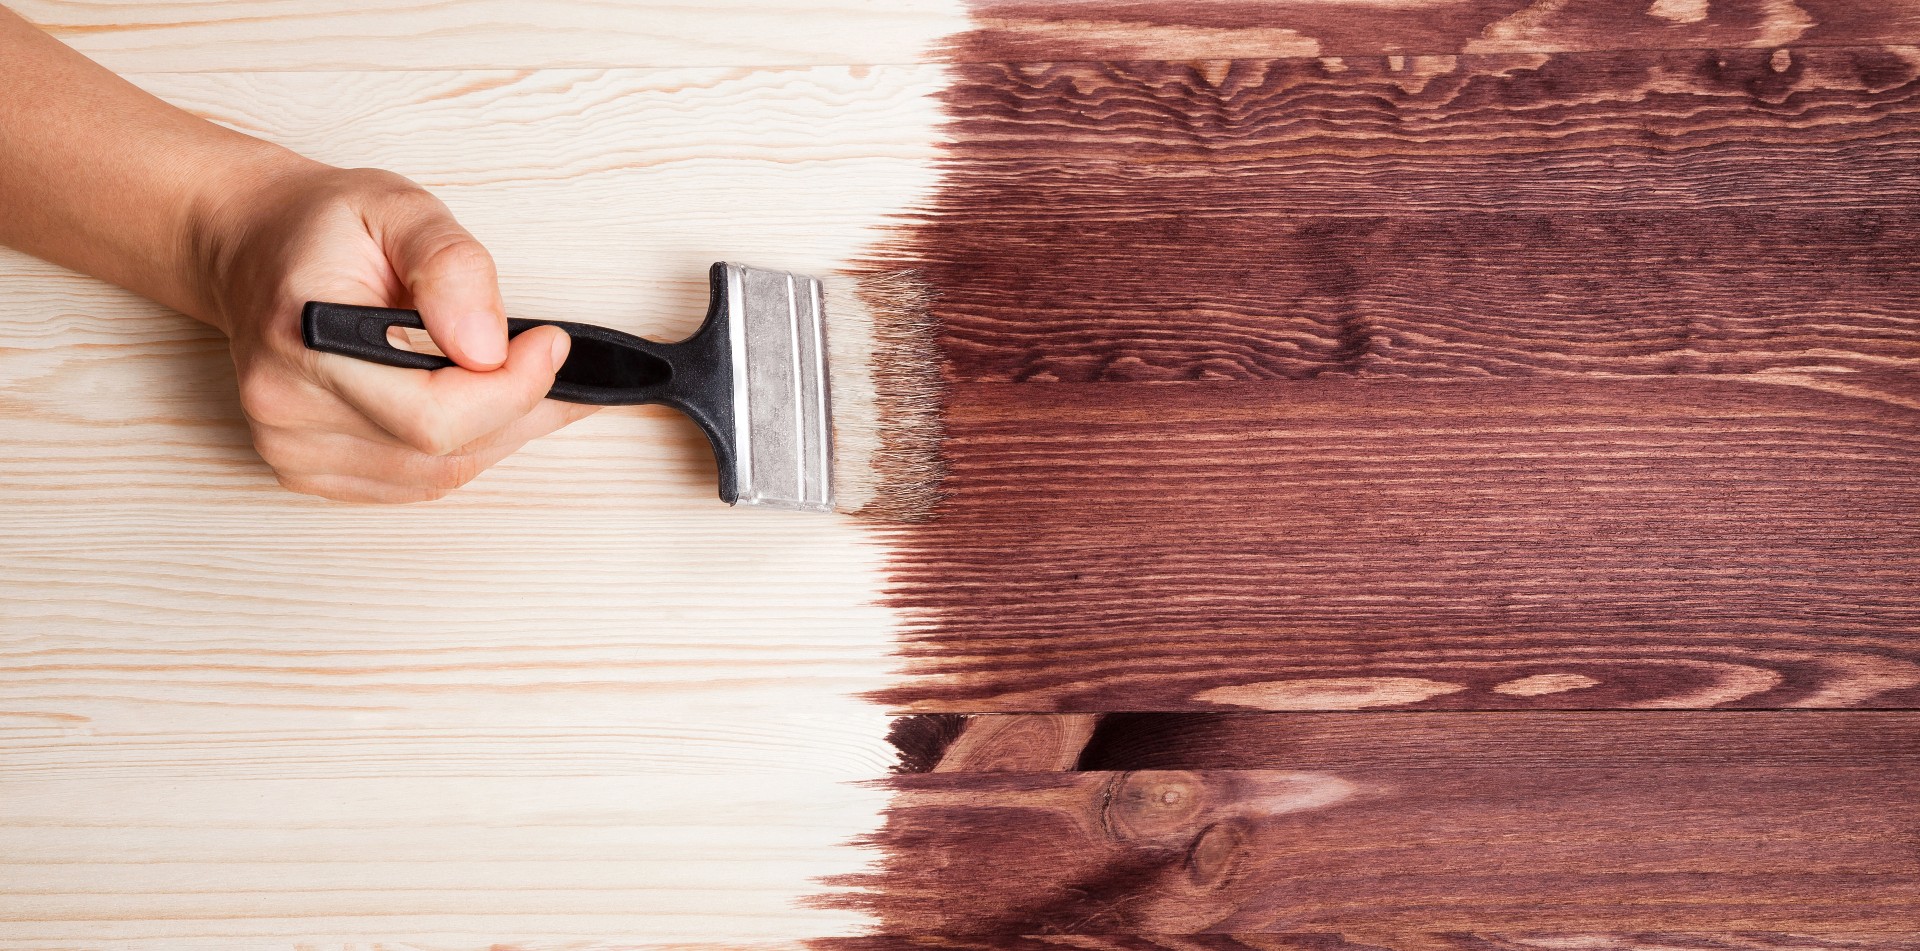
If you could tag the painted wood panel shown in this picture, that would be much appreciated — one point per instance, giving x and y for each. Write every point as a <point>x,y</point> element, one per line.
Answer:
<point>1679,542</point>
<point>1029,30</point>
<point>1332,385</point>
<point>1689,212</point>
<point>1467,849</point>
<point>1385,827</point>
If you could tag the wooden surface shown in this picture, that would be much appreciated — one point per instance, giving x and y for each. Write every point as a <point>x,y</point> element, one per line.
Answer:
<point>1679,542</point>
<point>581,702</point>
<point>265,35</point>
<point>1646,829</point>
<point>1306,358</point>
<point>1566,363</point>
<point>1382,381</point>
<point>1363,823</point>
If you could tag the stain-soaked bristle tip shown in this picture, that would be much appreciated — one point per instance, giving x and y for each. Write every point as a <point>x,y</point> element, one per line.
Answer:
<point>883,368</point>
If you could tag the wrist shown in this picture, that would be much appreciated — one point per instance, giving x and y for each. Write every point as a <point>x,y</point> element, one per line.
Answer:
<point>228,200</point>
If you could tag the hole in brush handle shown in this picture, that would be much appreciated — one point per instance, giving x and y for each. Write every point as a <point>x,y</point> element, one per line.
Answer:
<point>415,340</point>
<point>603,366</point>
<point>361,333</point>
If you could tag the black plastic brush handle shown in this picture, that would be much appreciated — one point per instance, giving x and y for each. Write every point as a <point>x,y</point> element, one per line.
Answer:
<point>604,367</point>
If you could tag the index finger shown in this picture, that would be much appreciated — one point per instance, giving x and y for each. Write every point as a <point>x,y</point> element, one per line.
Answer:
<point>439,411</point>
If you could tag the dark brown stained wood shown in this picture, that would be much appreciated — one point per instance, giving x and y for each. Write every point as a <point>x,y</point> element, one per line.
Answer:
<point>1373,940</point>
<point>1623,213</point>
<point>1497,393</point>
<point>1467,847</point>
<point>1024,30</point>
<point>1490,544</point>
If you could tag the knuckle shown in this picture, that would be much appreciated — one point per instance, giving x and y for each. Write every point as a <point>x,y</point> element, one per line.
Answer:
<point>430,432</point>
<point>432,443</point>
<point>459,254</point>
<point>267,399</point>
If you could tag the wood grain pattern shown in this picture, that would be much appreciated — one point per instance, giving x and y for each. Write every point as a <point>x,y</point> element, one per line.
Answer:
<point>1018,744</point>
<point>580,702</point>
<point>1422,831</point>
<point>272,35</point>
<point>262,35</point>
<point>1472,847</point>
<point>1633,427</point>
<point>1053,30</point>
<point>1684,212</point>
<point>1668,543</point>
<point>1502,381</point>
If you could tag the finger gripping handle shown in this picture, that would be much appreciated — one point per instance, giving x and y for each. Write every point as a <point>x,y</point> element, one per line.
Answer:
<point>361,333</point>
<point>604,367</point>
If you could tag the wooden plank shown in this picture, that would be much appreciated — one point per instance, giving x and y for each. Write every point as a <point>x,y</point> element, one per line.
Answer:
<point>1516,425</point>
<point>1025,30</point>
<point>1627,213</point>
<point>466,861</point>
<point>1475,845</point>
<point>256,35</point>
<point>1335,545</point>
<point>580,701</point>
<point>262,35</point>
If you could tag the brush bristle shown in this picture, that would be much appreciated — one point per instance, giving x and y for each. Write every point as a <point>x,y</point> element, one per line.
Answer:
<point>883,368</point>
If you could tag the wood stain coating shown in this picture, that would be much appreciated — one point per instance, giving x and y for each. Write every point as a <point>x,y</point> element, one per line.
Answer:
<point>1383,826</point>
<point>1593,367</point>
<point>1135,30</point>
<point>1474,847</point>
<point>1466,361</point>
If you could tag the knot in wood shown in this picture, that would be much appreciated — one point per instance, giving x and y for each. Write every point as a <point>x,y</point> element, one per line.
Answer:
<point>1156,808</point>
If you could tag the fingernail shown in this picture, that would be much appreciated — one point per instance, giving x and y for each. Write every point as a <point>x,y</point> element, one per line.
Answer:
<point>481,337</point>
<point>561,344</point>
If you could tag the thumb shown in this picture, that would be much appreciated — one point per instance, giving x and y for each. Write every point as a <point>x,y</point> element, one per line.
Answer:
<point>452,282</point>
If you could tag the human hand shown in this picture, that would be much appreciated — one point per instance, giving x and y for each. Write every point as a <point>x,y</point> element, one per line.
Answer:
<point>342,428</point>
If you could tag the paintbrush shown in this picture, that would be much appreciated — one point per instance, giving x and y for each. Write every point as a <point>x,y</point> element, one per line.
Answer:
<point>818,395</point>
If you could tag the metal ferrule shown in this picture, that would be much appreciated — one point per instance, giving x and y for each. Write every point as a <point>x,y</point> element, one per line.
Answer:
<point>782,412</point>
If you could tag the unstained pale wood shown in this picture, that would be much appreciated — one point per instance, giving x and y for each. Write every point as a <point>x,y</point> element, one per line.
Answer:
<point>581,701</point>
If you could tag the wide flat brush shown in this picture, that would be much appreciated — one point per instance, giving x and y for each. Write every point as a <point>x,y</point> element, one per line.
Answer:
<point>817,394</point>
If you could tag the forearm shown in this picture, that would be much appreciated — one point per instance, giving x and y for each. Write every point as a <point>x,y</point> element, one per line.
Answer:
<point>101,177</point>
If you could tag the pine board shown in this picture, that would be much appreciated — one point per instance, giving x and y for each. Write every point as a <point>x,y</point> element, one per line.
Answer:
<point>581,701</point>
